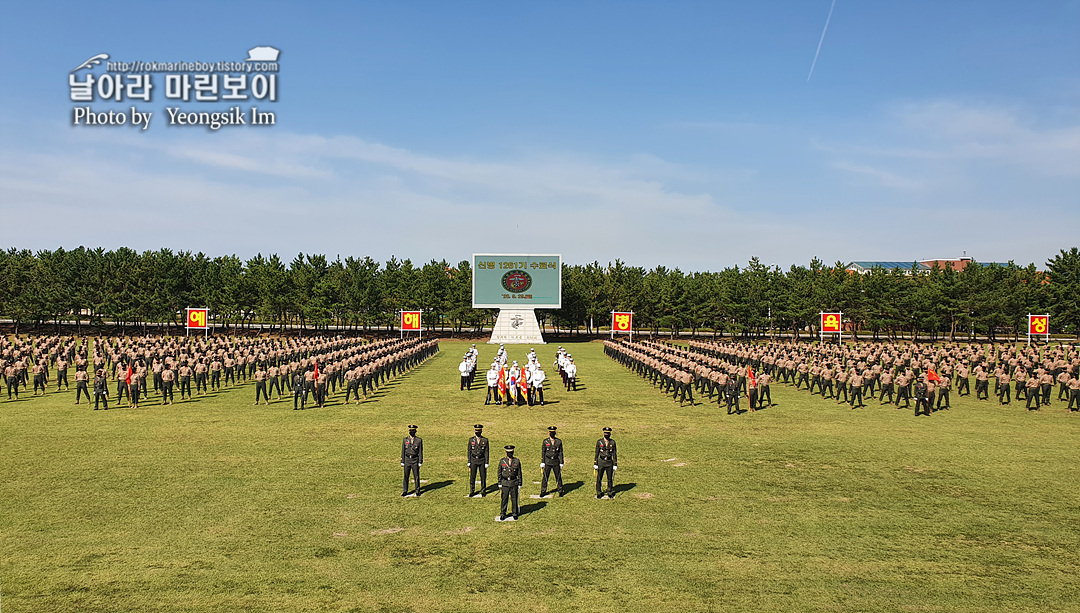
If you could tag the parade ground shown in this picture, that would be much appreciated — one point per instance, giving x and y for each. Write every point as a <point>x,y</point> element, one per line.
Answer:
<point>218,505</point>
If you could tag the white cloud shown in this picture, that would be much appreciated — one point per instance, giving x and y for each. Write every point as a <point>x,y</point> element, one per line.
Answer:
<point>974,134</point>
<point>888,179</point>
<point>280,192</point>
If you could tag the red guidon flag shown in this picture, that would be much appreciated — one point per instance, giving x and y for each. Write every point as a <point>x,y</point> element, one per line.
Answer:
<point>622,322</point>
<point>410,320</point>
<point>830,322</point>
<point>316,371</point>
<point>196,318</point>
<point>931,375</point>
<point>502,380</point>
<point>127,378</point>
<point>753,379</point>
<point>1038,324</point>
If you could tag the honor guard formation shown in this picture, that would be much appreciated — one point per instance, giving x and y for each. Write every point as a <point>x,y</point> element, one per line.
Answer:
<point>313,369</point>
<point>510,383</point>
<point>856,372</point>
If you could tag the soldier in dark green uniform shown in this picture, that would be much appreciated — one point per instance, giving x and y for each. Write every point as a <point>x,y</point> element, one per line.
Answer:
<point>412,458</point>
<point>606,461</point>
<point>101,390</point>
<point>509,482</point>
<point>477,453</point>
<point>551,459</point>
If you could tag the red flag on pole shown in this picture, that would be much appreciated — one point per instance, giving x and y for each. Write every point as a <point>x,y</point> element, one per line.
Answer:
<point>127,378</point>
<point>932,376</point>
<point>753,379</point>
<point>316,371</point>
<point>502,380</point>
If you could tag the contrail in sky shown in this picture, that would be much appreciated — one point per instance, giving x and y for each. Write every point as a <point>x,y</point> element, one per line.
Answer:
<point>823,31</point>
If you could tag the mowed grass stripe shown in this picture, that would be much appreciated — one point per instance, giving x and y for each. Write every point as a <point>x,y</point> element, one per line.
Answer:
<point>220,505</point>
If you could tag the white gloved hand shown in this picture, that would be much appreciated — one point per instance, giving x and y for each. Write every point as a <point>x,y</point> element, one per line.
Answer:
<point>403,463</point>
<point>595,467</point>
<point>485,465</point>
<point>541,464</point>
<point>614,468</point>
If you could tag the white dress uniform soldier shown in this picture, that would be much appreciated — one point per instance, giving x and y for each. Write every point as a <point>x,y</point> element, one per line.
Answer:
<point>463,369</point>
<point>512,384</point>
<point>493,385</point>
<point>530,396</point>
<point>571,374</point>
<point>606,461</point>
<point>551,460</point>
<point>477,453</point>
<point>537,385</point>
<point>560,364</point>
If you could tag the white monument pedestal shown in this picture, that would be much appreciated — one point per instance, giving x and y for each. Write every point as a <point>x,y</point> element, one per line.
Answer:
<point>516,327</point>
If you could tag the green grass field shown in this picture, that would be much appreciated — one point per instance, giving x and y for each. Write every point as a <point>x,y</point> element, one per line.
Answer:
<point>217,505</point>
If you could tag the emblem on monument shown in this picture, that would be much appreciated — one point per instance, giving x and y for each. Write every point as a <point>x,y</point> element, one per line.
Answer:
<point>516,281</point>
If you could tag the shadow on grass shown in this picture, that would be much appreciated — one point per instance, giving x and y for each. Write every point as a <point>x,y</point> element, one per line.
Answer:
<point>623,487</point>
<point>438,485</point>
<point>569,487</point>
<point>525,509</point>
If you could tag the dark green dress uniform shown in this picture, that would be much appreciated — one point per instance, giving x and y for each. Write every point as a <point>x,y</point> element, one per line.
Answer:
<point>509,481</point>
<point>477,453</point>
<point>605,461</point>
<point>551,460</point>
<point>412,458</point>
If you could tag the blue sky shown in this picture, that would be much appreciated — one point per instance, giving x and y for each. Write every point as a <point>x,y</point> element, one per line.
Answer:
<point>676,133</point>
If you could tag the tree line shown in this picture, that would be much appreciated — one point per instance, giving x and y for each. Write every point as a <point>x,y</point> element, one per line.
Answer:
<point>135,290</point>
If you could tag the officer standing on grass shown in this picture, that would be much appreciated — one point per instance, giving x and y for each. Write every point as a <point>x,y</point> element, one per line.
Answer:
<point>510,480</point>
<point>101,390</point>
<point>606,461</point>
<point>551,459</point>
<point>412,458</point>
<point>478,454</point>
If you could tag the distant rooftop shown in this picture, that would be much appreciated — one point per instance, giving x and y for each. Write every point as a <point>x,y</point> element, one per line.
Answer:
<point>958,264</point>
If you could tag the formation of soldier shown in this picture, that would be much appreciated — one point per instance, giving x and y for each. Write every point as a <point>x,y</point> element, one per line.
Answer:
<point>311,368</point>
<point>509,472</point>
<point>512,384</point>
<point>892,373</point>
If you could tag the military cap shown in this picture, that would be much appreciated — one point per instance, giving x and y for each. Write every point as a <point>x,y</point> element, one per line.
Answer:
<point>478,427</point>
<point>606,429</point>
<point>552,428</point>
<point>509,448</point>
<point>412,427</point>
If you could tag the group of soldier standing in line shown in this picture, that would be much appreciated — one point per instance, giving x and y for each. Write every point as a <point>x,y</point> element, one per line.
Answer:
<point>309,368</point>
<point>895,372</point>
<point>509,471</point>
